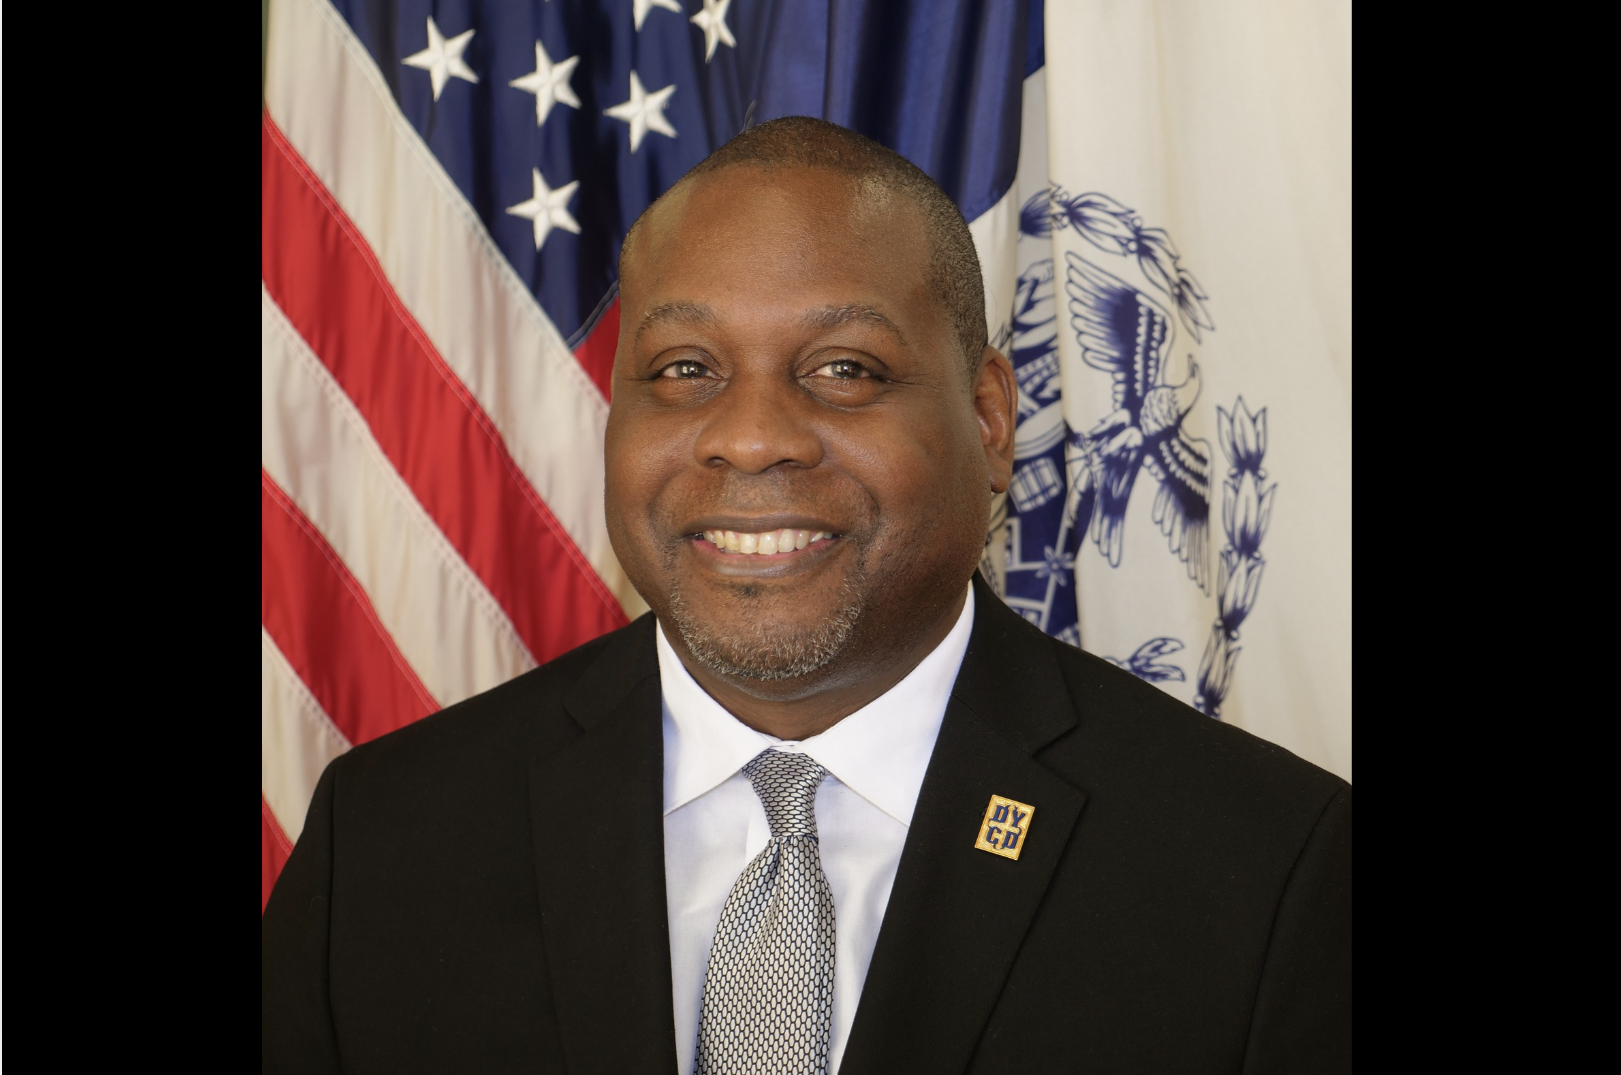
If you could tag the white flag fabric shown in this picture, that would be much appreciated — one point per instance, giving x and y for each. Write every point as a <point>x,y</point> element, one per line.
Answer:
<point>1175,295</point>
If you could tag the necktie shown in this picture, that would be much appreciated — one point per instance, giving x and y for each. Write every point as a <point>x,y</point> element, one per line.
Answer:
<point>768,993</point>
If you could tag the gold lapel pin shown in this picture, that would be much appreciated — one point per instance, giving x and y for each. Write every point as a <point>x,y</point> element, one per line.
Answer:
<point>1005,828</point>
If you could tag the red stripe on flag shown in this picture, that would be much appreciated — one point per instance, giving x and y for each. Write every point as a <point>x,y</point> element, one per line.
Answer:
<point>324,624</point>
<point>596,351</point>
<point>320,271</point>
<point>274,847</point>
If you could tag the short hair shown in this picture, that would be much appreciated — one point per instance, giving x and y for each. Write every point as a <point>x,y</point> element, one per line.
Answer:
<point>808,142</point>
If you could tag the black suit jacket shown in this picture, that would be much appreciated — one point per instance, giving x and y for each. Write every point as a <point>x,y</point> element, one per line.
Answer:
<point>484,890</point>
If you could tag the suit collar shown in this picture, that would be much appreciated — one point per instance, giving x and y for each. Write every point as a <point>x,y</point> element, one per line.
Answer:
<point>957,915</point>
<point>1010,678</point>
<point>598,836</point>
<point>619,669</point>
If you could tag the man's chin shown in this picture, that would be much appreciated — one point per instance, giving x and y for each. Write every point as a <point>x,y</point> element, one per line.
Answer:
<point>753,644</point>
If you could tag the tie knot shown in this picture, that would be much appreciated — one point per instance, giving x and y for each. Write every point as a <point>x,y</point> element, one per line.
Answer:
<point>786,784</point>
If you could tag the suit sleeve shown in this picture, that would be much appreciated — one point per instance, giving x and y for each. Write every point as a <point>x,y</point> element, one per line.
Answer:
<point>296,1031</point>
<point>1302,1017</point>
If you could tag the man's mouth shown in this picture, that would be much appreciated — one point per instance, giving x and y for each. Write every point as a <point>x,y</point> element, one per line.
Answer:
<point>767,543</point>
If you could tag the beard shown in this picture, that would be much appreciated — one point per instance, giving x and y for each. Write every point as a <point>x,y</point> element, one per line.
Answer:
<point>768,652</point>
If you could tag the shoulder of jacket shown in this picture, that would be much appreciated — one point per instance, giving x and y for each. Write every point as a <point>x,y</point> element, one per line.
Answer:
<point>521,717</point>
<point>1123,717</point>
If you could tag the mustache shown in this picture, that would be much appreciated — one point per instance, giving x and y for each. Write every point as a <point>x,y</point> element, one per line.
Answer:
<point>782,491</point>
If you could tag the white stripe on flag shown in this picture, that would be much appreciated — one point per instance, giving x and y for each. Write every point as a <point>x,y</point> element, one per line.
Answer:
<point>296,739</point>
<point>318,448</point>
<point>325,93</point>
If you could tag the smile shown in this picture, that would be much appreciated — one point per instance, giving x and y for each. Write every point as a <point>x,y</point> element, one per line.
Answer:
<point>766,544</point>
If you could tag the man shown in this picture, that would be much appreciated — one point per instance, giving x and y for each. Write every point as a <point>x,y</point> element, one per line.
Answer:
<point>831,806</point>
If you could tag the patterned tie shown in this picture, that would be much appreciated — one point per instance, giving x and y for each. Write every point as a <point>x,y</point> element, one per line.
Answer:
<point>768,995</point>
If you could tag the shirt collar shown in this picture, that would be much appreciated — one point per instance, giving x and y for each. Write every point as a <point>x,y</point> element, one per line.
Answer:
<point>880,751</point>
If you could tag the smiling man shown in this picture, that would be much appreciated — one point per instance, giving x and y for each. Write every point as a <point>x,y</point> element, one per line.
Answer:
<point>831,806</point>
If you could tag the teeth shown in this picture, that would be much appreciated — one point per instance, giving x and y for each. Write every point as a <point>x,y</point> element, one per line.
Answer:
<point>772,541</point>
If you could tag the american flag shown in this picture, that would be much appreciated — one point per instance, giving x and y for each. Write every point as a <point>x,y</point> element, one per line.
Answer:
<point>445,190</point>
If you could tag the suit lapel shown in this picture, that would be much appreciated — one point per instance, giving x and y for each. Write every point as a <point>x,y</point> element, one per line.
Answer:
<point>596,812</point>
<point>957,915</point>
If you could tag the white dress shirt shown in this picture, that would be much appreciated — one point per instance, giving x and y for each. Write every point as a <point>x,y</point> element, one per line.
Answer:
<point>714,823</point>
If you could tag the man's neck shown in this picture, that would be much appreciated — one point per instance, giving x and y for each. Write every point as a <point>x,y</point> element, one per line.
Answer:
<point>796,711</point>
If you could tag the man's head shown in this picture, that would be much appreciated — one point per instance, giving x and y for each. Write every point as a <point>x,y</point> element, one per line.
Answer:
<point>802,349</point>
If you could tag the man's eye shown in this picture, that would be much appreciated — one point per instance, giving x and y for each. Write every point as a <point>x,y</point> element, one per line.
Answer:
<point>843,369</point>
<point>686,369</point>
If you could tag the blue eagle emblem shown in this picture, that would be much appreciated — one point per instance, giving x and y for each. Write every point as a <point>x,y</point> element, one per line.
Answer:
<point>1128,335</point>
<point>1069,486</point>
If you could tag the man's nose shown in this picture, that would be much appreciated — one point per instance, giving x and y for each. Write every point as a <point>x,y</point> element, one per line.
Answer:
<point>759,421</point>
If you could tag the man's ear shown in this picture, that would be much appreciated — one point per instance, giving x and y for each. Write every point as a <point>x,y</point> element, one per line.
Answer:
<point>996,401</point>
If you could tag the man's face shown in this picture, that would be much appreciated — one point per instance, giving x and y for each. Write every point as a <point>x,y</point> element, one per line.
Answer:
<point>784,379</point>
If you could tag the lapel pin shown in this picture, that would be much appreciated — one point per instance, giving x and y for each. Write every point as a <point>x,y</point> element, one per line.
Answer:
<point>1006,825</point>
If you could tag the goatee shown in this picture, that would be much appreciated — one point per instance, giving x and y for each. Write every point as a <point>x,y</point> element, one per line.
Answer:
<point>767,652</point>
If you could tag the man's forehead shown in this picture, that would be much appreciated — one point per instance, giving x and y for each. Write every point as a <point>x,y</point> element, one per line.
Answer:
<point>812,317</point>
<point>815,202</point>
<point>806,248</point>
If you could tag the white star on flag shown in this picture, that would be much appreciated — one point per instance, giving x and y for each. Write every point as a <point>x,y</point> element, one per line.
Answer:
<point>642,7</point>
<point>712,21</point>
<point>548,208</point>
<point>442,58</point>
<point>644,112</point>
<point>549,83</point>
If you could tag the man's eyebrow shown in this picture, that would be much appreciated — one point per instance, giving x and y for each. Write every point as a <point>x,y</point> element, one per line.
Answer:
<point>834,316</point>
<point>690,313</point>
